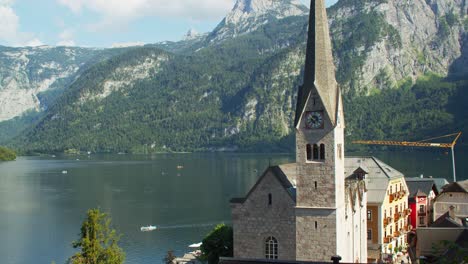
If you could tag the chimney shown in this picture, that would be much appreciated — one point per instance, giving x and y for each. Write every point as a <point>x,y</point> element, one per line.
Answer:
<point>452,212</point>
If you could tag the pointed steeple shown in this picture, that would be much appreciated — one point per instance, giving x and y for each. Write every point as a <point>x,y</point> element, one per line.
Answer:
<point>319,71</point>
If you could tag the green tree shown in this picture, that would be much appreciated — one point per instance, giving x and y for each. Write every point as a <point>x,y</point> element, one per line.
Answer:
<point>7,154</point>
<point>98,241</point>
<point>218,243</point>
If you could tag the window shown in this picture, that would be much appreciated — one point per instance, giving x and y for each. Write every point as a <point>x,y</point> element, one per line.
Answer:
<point>271,248</point>
<point>315,183</point>
<point>421,221</point>
<point>421,208</point>
<point>369,234</point>
<point>369,215</point>
<point>270,199</point>
<point>391,191</point>
<point>309,152</point>
<point>322,151</point>
<point>385,214</point>
<point>316,152</point>
<point>316,225</point>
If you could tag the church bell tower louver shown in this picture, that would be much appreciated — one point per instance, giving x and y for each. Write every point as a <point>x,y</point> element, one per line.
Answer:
<point>319,122</point>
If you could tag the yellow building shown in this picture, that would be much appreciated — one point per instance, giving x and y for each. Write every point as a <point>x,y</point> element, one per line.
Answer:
<point>387,206</point>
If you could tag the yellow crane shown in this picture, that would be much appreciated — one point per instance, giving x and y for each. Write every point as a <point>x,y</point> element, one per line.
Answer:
<point>422,143</point>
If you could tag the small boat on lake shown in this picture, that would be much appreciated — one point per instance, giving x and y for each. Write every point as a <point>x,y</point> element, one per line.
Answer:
<point>147,228</point>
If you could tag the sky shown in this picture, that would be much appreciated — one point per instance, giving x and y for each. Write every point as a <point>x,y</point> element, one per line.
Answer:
<point>107,23</point>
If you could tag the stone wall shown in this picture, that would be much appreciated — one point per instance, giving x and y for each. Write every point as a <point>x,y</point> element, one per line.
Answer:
<point>255,220</point>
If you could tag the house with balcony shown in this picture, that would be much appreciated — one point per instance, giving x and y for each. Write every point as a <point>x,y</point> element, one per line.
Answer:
<point>387,206</point>
<point>422,192</point>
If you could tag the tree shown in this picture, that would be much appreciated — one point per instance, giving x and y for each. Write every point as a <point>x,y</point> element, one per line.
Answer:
<point>169,257</point>
<point>7,154</point>
<point>218,243</point>
<point>98,242</point>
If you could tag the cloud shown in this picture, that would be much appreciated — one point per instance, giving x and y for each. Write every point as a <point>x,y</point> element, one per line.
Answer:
<point>9,27</point>
<point>127,44</point>
<point>120,12</point>
<point>66,38</point>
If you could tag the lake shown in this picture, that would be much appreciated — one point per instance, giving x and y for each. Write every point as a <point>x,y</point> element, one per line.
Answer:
<point>41,209</point>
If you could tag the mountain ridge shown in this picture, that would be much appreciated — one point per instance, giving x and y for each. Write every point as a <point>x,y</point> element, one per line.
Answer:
<point>239,93</point>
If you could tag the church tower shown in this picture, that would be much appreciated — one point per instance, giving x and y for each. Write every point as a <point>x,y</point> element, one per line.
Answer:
<point>319,122</point>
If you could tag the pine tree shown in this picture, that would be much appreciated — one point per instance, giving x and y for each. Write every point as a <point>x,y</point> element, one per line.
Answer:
<point>98,242</point>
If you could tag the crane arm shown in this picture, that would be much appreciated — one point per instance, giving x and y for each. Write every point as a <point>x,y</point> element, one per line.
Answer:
<point>403,143</point>
<point>412,144</point>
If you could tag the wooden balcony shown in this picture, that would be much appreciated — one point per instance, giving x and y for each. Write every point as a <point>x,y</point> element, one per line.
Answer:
<point>396,216</point>
<point>391,197</point>
<point>387,239</point>
<point>396,234</point>
<point>385,222</point>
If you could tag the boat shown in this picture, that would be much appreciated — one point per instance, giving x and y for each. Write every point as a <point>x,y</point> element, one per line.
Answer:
<point>179,167</point>
<point>147,228</point>
<point>64,172</point>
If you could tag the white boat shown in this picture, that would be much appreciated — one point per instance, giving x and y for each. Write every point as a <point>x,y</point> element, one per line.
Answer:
<point>147,228</point>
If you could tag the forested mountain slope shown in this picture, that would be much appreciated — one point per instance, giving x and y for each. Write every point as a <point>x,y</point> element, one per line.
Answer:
<point>239,93</point>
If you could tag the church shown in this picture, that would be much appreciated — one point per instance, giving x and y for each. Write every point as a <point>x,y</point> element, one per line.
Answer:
<point>313,209</point>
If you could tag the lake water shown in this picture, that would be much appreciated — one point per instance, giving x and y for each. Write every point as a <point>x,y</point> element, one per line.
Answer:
<point>41,209</point>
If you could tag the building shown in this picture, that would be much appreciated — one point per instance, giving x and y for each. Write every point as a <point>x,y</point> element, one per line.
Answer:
<point>422,192</point>
<point>387,206</point>
<point>309,210</point>
<point>454,194</point>
<point>444,241</point>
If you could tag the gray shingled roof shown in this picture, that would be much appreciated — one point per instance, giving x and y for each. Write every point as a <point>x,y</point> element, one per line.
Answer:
<point>379,174</point>
<point>416,185</point>
<point>439,182</point>
<point>461,186</point>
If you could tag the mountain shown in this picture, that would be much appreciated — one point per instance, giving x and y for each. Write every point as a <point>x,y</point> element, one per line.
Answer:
<point>31,79</point>
<point>235,88</point>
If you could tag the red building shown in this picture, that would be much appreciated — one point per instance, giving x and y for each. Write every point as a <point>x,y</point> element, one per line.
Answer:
<point>422,192</point>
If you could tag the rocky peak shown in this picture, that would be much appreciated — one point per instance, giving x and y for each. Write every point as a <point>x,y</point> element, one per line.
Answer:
<point>279,9</point>
<point>248,15</point>
<point>191,34</point>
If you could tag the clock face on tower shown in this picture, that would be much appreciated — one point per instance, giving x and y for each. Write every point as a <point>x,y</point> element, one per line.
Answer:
<point>314,120</point>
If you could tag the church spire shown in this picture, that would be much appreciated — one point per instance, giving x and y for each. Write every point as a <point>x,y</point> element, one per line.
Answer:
<point>319,71</point>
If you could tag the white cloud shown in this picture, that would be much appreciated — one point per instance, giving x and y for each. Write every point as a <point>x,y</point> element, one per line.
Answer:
<point>69,43</point>
<point>127,44</point>
<point>119,12</point>
<point>9,27</point>
<point>66,38</point>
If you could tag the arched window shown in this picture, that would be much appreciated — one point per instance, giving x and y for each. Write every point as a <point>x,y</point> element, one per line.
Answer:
<point>316,152</point>
<point>309,152</point>
<point>322,151</point>
<point>271,248</point>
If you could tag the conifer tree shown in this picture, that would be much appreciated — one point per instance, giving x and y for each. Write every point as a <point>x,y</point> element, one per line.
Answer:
<point>98,241</point>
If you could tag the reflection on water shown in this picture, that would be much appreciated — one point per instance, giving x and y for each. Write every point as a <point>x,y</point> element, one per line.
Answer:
<point>41,208</point>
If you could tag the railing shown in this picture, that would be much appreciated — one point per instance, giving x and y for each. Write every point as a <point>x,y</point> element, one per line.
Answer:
<point>396,234</point>
<point>421,213</point>
<point>387,239</point>
<point>391,198</point>
<point>385,221</point>
<point>396,216</point>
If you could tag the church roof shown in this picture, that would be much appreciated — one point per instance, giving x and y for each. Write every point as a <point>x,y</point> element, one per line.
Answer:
<point>287,181</point>
<point>377,178</point>
<point>319,73</point>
